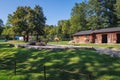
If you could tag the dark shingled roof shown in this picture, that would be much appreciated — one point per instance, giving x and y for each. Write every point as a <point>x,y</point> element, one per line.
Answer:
<point>97,31</point>
<point>83,33</point>
<point>107,30</point>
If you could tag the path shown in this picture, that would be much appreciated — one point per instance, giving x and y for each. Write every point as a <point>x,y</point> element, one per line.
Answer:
<point>111,52</point>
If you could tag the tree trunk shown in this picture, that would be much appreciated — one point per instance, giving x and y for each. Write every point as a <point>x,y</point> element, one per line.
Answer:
<point>24,37</point>
<point>27,38</point>
<point>37,37</point>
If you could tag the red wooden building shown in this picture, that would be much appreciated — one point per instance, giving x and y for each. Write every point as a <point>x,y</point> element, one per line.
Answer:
<point>108,35</point>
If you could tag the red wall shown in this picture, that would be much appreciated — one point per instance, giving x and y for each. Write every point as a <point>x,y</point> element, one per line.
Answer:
<point>96,38</point>
<point>83,39</point>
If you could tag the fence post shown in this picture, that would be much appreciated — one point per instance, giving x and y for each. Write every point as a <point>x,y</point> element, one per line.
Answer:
<point>90,76</point>
<point>14,64</point>
<point>45,73</point>
<point>15,67</point>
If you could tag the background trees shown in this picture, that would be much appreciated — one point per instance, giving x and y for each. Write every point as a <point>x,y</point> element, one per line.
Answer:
<point>96,18</point>
<point>92,14</point>
<point>1,26</point>
<point>8,32</point>
<point>117,12</point>
<point>78,17</point>
<point>110,12</point>
<point>63,29</point>
<point>39,21</point>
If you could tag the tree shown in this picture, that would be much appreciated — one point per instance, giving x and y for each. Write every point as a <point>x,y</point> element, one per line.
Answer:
<point>94,14</point>
<point>96,18</point>
<point>78,17</point>
<point>8,32</point>
<point>50,31</point>
<point>39,21</point>
<point>20,22</point>
<point>110,12</point>
<point>9,20</point>
<point>28,21</point>
<point>117,9</point>
<point>1,26</point>
<point>63,29</point>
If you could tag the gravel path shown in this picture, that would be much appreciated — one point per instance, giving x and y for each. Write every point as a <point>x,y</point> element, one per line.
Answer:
<point>111,52</point>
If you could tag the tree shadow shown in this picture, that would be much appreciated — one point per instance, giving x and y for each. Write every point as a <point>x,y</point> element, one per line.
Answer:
<point>60,64</point>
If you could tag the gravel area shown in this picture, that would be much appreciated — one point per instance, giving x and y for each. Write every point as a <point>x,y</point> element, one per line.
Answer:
<point>111,52</point>
<point>54,47</point>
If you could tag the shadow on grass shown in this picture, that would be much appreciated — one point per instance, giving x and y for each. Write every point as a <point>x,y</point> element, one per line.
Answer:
<point>60,64</point>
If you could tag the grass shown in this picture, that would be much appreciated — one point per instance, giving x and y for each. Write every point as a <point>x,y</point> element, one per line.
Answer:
<point>16,42</point>
<point>60,64</point>
<point>117,46</point>
<point>60,42</point>
<point>13,42</point>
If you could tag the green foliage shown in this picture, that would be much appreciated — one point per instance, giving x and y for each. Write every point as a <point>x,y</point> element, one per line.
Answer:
<point>96,20</point>
<point>28,21</point>
<point>1,26</point>
<point>110,12</point>
<point>19,20</point>
<point>94,14</point>
<point>88,15</point>
<point>8,31</point>
<point>9,20</point>
<point>78,17</point>
<point>50,31</point>
<point>63,30</point>
<point>39,20</point>
<point>117,9</point>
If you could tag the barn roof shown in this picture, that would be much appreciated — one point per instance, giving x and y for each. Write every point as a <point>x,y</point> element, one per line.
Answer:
<point>83,33</point>
<point>115,29</point>
<point>107,30</point>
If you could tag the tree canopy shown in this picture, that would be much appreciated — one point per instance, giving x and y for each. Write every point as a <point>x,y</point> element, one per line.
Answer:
<point>1,26</point>
<point>78,17</point>
<point>87,15</point>
<point>28,21</point>
<point>117,9</point>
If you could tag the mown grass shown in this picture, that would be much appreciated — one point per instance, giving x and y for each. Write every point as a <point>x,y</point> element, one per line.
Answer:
<point>60,64</point>
<point>117,46</point>
<point>59,42</point>
<point>16,42</point>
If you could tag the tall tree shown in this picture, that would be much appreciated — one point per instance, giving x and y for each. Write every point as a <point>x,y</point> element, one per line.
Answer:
<point>9,20</point>
<point>63,29</point>
<point>8,32</point>
<point>28,21</point>
<point>59,29</point>
<point>20,22</point>
<point>78,17</point>
<point>96,19</point>
<point>39,21</point>
<point>50,31</point>
<point>110,12</point>
<point>1,26</point>
<point>117,9</point>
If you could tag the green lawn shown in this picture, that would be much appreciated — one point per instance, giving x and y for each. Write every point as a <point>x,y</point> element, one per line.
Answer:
<point>60,64</point>
<point>90,45</point>
<point>16,42</point>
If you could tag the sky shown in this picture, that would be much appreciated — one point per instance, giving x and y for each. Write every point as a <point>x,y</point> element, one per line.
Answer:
<point>54,10</point>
